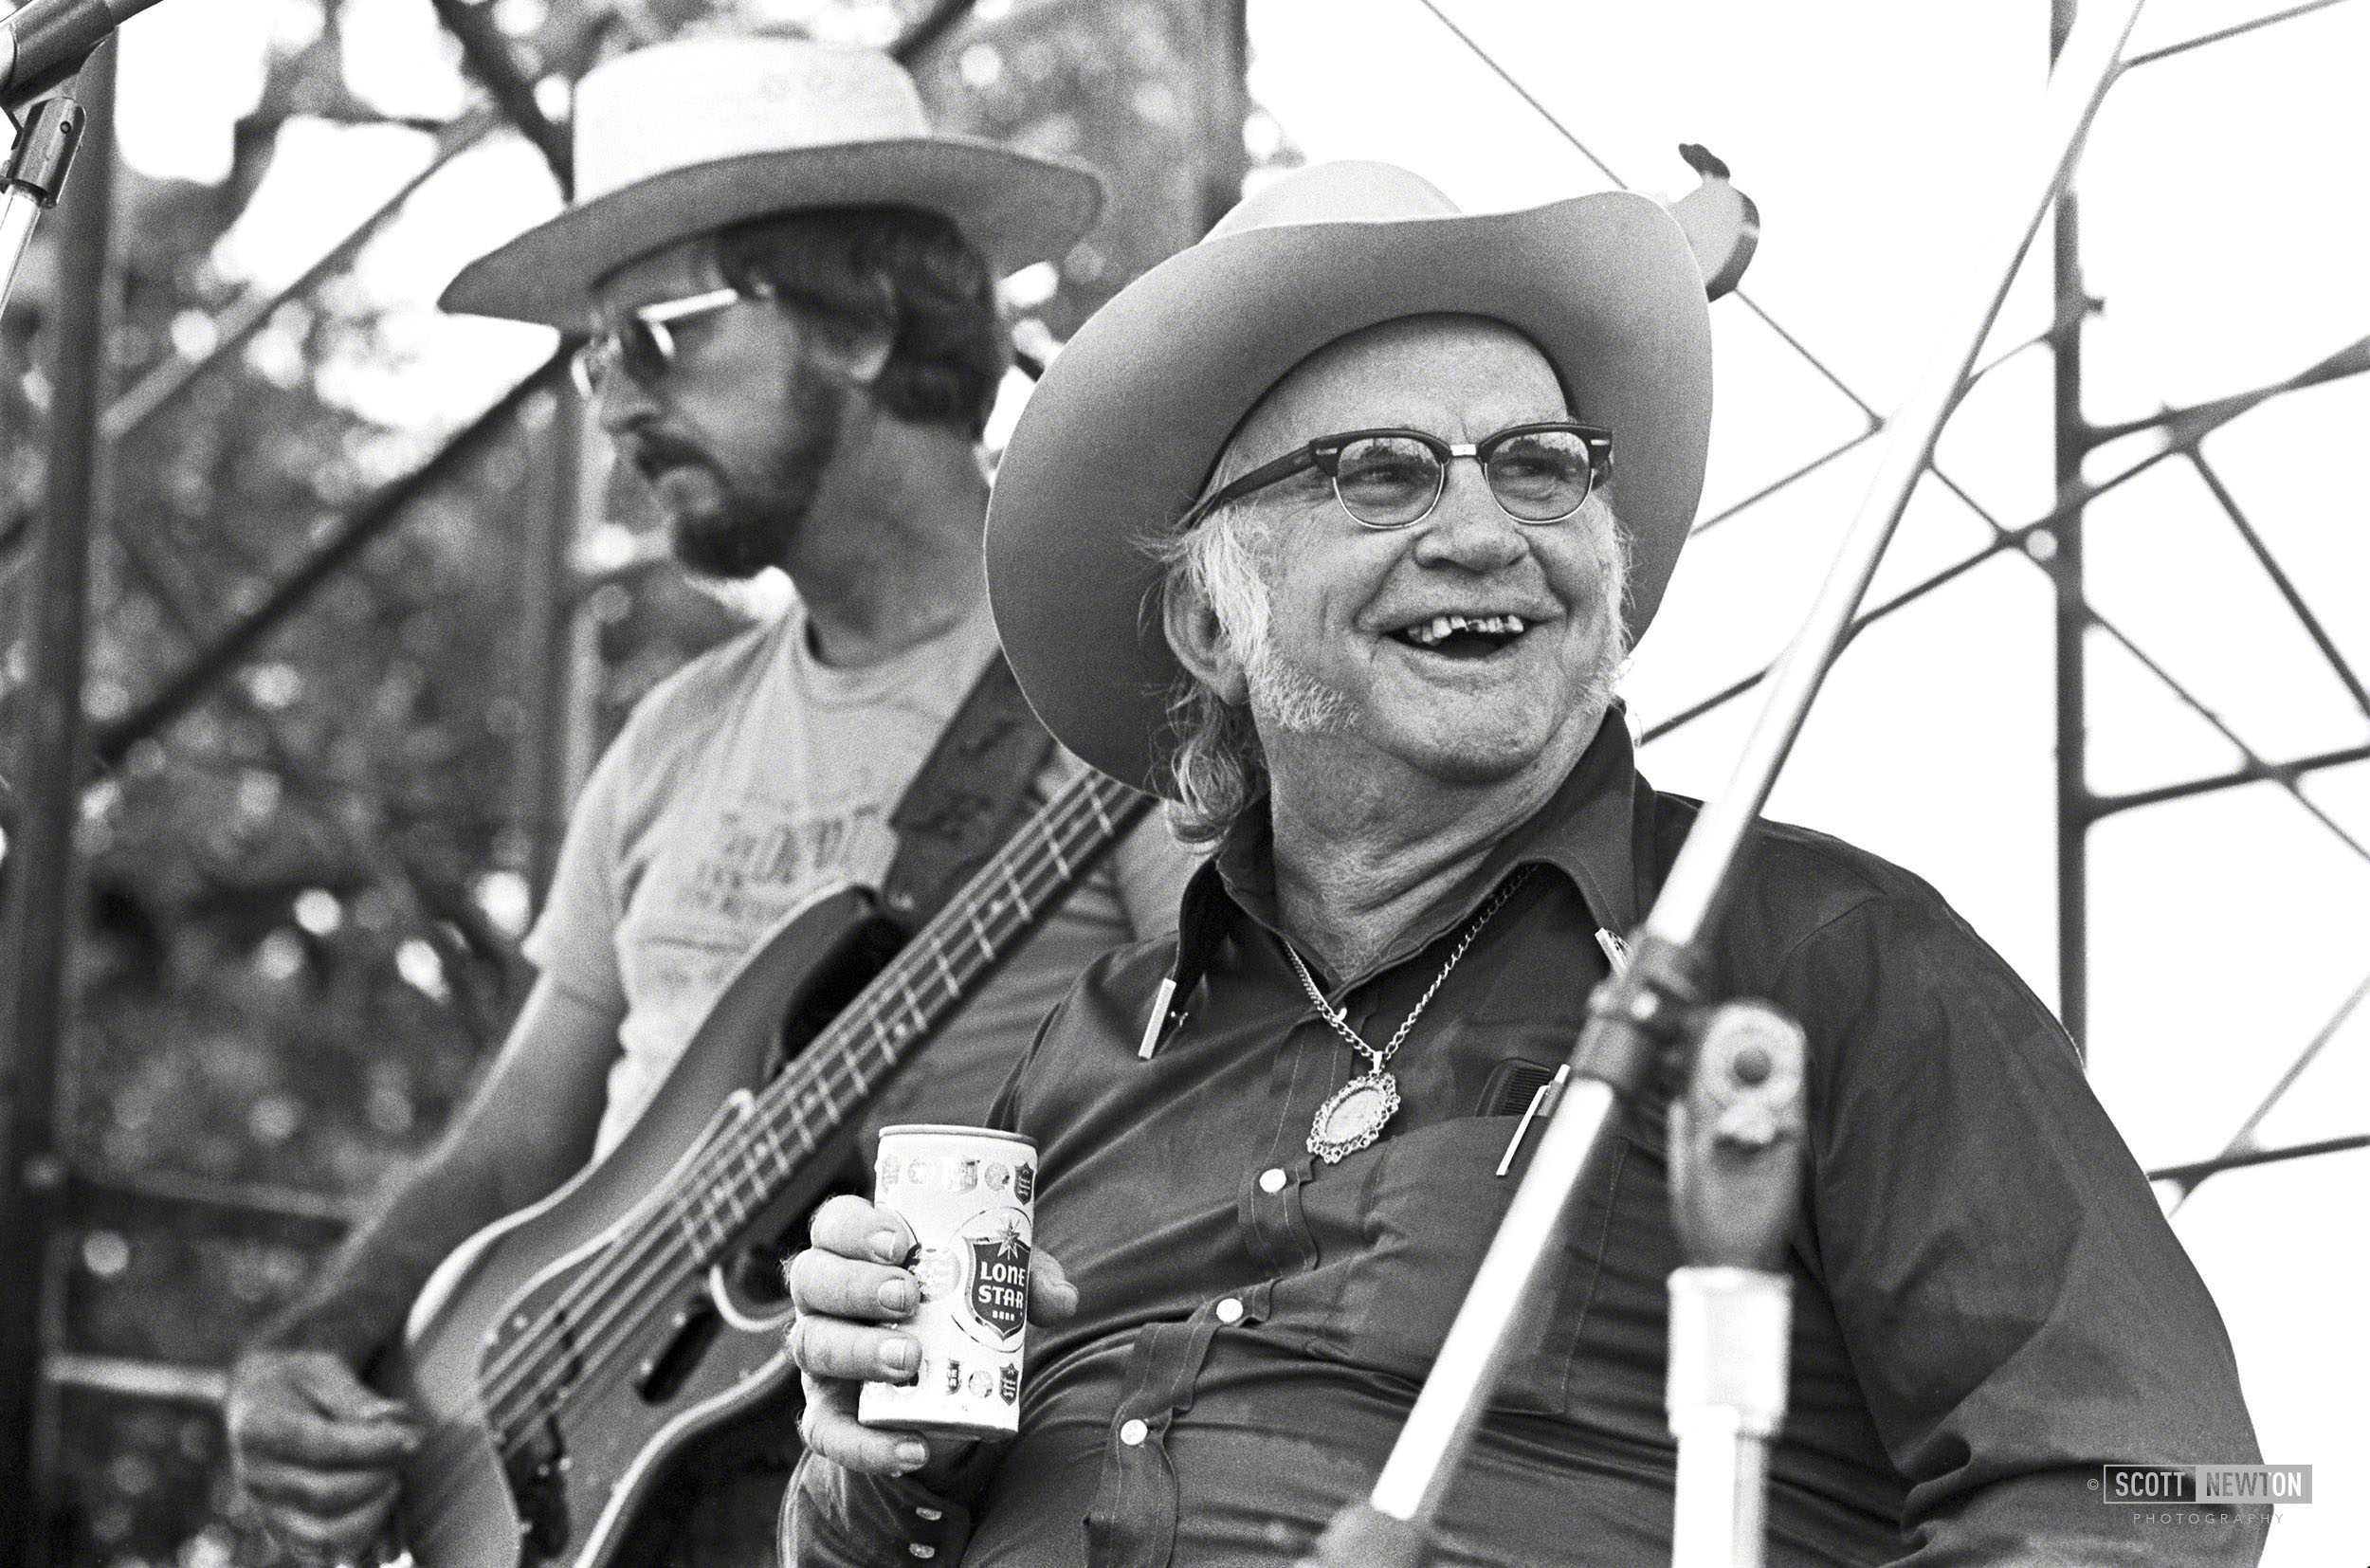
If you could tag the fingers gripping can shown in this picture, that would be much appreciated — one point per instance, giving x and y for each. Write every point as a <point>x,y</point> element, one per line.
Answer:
<point>970,1195</point>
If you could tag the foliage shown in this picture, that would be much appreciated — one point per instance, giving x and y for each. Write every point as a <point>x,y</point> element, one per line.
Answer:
<point>301,901</point>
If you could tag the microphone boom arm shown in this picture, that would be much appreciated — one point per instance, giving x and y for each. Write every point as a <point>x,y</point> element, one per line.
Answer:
<point>1642,1012</point>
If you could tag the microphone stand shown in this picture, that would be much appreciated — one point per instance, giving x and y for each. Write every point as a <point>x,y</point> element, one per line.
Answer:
<point>35,173</point>
<point>1646,1018</point>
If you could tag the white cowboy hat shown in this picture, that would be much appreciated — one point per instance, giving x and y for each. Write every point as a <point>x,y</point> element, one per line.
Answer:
<point>681,139</point>
<point>1124,428</point>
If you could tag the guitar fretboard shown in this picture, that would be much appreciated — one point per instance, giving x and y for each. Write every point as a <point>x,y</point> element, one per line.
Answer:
<point>932,975</point>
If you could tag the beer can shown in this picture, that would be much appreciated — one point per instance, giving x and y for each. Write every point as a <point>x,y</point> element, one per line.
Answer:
<point>968,1194</point>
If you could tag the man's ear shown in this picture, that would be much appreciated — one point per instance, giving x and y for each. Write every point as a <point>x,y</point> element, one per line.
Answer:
<point>1200,641</point>
<point>858,355</point>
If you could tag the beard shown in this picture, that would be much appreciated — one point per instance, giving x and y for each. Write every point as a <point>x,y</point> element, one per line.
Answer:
<point>730,529</point>
<point>1290,698</point>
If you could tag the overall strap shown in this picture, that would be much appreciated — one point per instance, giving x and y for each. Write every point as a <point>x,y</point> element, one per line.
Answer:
<point>970,795</point>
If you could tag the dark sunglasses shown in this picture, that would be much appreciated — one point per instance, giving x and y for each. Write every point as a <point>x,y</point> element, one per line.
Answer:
<point>1388,479</point>
<point>643,344</point>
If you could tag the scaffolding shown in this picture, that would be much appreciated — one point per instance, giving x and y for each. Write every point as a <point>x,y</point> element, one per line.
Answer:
<point>47,1199</point>
<point>51,1199</point>
<point>2053,542</point>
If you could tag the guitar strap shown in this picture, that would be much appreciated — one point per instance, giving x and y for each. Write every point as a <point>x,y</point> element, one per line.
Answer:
<point>970,795</point>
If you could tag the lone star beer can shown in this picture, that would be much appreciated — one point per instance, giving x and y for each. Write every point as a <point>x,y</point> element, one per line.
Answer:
<point>969,1195</point>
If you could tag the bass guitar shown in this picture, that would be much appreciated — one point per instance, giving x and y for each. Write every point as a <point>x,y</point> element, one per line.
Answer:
<point>561,1358</point>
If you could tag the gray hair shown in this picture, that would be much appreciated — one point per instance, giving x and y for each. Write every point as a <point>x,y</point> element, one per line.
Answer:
<point>1215,766</point>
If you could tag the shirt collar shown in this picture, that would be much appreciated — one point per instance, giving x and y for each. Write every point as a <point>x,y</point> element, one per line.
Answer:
<point>1585,830</point>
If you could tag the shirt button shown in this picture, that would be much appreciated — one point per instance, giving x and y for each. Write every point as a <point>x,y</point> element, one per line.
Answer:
<point>1134,1432</point>
<point>932,1514</point>
<point>1229,1311</point>
<point>1271,1181</point>
<point>918,1550</point>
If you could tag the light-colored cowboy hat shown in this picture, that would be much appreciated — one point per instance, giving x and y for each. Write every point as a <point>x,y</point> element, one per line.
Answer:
<point>1122,432</point>
<point>685,138</point>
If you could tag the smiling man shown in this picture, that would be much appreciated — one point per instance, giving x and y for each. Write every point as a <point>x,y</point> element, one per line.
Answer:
<point>1359,505</point>
<point>789,281</point>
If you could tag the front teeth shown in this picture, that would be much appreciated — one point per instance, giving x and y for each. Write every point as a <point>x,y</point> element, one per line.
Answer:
<point>1436,630</point>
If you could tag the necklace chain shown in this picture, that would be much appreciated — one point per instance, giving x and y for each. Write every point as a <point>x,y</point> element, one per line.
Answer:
<point>1341,1023</point>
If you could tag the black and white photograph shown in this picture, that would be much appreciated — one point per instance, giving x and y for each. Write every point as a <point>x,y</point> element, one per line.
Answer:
<point>1184,784</point>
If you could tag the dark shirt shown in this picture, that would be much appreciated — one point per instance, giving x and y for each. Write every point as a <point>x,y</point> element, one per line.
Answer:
<point>1987,1301</point>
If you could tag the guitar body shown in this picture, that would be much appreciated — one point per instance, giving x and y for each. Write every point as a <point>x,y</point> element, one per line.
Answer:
<point>595,1433</point>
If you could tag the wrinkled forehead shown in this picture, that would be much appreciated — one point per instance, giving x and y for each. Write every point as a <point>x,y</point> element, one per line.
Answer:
<point>1457,377</point>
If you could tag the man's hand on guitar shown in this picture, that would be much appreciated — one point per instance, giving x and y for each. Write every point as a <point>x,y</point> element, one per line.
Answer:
<point>845,1285</point>
<point>314,1448</point>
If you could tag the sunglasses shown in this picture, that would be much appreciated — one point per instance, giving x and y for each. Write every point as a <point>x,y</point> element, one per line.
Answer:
<point>1388,479</point>
<point>641,345</point>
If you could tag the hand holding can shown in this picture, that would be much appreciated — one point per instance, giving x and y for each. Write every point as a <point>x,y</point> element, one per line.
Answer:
<point>855,1291</point>
<point>969,1195</point>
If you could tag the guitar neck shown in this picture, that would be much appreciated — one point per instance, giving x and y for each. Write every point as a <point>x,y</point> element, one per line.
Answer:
<point>935,974</point>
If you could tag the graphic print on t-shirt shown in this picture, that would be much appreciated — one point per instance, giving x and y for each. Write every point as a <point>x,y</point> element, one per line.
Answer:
<point>780,796</point>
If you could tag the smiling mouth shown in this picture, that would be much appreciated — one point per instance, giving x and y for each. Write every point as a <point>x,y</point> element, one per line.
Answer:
<point>1463,636</point>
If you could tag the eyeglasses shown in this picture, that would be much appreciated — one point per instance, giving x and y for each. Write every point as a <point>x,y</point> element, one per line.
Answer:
<point>641,344</point>
<point>1387,478</point>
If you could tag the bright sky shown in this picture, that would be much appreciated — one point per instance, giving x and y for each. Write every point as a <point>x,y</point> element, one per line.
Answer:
<point>2223,230</point>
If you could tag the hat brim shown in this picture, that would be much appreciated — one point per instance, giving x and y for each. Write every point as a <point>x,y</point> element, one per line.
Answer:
<point>1016,208</point>
<point>1120,435</point>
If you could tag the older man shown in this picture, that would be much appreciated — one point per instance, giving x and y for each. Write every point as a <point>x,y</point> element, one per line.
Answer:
<point>796,341</point>
<point>1403,484</point>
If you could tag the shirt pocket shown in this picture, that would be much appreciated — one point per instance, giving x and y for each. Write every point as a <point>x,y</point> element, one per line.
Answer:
<point>1426,1212</point>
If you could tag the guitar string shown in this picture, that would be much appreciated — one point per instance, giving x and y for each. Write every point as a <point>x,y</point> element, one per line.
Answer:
<point>732,1145</point>
<point>828,1066</point>
<point>841,1070</point>
<point>741,1143</point>
<point>748,1144</point>
<point>714,1168</point>
<point>836,1068</point>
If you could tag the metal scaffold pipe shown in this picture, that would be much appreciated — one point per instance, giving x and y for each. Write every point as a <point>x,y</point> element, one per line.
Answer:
<point>44,781</point>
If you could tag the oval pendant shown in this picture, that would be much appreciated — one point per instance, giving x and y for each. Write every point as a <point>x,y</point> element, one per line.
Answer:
<point>1353,1117</point>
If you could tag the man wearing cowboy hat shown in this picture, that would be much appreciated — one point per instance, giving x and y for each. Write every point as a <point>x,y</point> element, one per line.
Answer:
<point>1334,531</point>
<point>790,283</point>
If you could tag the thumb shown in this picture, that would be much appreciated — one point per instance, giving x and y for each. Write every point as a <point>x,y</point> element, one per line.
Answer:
<point>337,1393</point>
<point>1051,1297</point>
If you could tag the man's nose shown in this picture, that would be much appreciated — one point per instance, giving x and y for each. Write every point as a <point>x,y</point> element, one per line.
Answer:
<point>1467,528</point>
<point>621,402</point>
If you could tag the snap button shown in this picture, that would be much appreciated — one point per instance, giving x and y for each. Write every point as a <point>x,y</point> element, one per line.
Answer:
<point>1134,1432</point>
<point>1271,1181</point>
<point>1229,1311</point>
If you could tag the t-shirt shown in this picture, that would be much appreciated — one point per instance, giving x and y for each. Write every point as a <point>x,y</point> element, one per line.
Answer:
<point>756,779</point>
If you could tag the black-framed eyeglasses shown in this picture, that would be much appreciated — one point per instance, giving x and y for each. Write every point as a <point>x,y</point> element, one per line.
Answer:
<point>643,344</point>
<point>1539,473</point>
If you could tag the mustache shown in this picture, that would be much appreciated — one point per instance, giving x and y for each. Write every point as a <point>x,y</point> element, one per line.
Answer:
<point>654,452</point>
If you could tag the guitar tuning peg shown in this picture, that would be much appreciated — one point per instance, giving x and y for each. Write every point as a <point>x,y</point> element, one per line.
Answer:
<point>1723,226</point>
<point>1703,161</point>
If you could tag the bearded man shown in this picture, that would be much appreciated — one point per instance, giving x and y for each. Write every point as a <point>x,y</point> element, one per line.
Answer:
<point>791,281</point>
<point>1399,487</point>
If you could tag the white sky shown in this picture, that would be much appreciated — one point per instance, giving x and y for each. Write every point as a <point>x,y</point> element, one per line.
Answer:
<point>2225,230</point>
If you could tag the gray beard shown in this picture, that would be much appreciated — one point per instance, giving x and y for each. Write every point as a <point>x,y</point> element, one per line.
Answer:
<point>1284,696</point>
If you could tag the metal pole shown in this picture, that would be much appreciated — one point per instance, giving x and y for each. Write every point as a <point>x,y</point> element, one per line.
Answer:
<point>1226,103</point>
<point>383,509</point>
<point>1690,893</point>
<point>547,611</point>
<point>1635,1006</point>
<point>2073,440</point>
<point>46,780</point>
